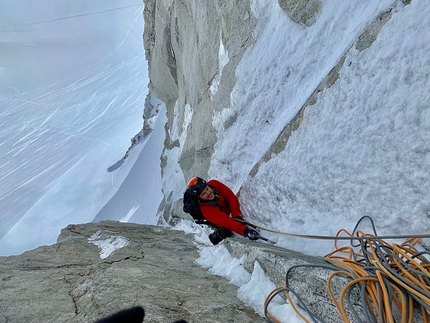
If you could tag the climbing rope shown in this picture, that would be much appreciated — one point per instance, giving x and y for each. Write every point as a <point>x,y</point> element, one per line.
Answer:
<point>337,237</point>
<point>391,281</point>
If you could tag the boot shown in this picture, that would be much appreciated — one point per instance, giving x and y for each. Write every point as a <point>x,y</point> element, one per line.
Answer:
<point>219,235</point>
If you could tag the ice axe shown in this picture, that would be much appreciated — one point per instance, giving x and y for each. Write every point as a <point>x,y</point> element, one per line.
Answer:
<point>265,239</point>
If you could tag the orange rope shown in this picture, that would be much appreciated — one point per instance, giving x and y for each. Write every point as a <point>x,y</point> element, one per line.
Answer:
<point>393,274</point>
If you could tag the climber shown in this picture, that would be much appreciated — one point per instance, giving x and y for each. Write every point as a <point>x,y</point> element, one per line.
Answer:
<point>216,202</point>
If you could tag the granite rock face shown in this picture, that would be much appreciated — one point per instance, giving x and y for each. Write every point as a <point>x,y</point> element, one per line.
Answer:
<point>182,40</point>
<point>303,12</point>
<point>97,269</point>
<point>79,279</point>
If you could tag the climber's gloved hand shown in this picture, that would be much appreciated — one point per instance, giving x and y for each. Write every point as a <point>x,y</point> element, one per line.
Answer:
<point>251,234</point>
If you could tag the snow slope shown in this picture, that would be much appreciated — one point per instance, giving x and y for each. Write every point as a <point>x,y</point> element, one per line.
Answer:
<point>73,80</point>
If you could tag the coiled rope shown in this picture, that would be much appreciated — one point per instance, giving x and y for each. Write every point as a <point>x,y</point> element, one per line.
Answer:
<point>392,280</point>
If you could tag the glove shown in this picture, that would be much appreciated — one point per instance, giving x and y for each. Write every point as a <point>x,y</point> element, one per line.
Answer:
<point>251,234</point>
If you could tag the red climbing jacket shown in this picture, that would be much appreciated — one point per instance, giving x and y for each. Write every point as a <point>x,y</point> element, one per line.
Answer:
<point>227,203</point>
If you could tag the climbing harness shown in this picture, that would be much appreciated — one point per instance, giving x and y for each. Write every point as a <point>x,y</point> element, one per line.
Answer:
<point>391,281</point>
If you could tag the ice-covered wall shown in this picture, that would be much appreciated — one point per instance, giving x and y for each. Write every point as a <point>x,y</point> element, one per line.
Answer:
<point>196,52</point>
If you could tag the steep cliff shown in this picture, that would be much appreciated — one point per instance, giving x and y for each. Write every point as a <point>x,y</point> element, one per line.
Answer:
<point>197,51</point>
<point>182,40</point>
<point>203,65</point>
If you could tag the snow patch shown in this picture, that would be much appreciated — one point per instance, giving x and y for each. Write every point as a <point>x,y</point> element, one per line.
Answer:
<point>222,61</point>
<point>219,262</point>
<point>253,288</point>
<point>108,244</point>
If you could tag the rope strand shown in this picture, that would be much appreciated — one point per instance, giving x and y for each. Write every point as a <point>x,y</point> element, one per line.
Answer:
<point>392,280</point>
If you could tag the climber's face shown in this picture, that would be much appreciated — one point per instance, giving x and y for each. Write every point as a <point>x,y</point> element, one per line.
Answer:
<point>207,194</point>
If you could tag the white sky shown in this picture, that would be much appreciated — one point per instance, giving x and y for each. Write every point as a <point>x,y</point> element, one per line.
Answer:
<point>362,149</point>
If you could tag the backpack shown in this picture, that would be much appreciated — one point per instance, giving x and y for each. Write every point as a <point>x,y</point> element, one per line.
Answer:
<point>192,207</point>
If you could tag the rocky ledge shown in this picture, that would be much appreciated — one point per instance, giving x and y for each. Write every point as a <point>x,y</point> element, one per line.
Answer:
<point>97,269</point>
<point>79,280</point>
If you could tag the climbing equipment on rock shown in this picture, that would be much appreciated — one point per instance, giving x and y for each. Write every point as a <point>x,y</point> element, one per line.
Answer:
<point>255,234</point>
<point>392,280</point>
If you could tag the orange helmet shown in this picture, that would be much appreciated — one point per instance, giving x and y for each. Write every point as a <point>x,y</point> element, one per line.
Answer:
<point>196,185</point>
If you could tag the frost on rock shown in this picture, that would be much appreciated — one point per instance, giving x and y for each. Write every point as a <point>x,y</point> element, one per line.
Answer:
<point>107,242</point>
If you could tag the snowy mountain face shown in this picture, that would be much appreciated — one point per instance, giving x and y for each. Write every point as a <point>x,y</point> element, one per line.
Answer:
<point>316,115</point>
<point>315,112</point>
